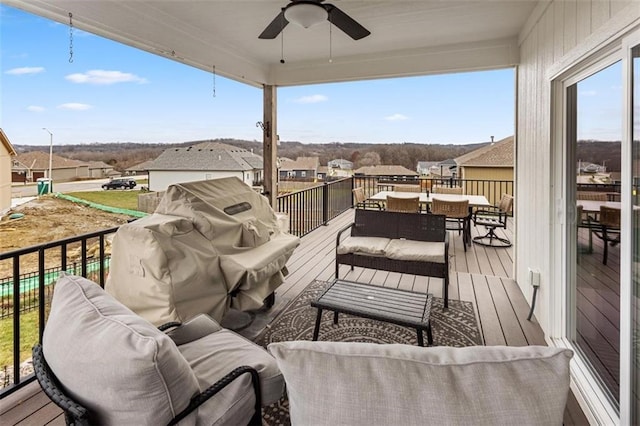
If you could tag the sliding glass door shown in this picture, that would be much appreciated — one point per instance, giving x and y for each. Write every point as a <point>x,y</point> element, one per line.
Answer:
<point>635,240</point>
<point>594,135</point>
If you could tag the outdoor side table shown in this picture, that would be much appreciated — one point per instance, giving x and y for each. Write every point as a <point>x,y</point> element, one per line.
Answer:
<point>402,307</point>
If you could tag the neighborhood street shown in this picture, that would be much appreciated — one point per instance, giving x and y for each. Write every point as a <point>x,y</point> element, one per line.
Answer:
<point>19,190</point>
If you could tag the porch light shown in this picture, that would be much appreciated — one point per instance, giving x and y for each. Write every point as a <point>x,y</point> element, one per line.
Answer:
<point>305,13</point>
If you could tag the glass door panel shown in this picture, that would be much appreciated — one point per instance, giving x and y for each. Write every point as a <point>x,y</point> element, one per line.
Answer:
<point>594,134</point>
<point>635,241</point>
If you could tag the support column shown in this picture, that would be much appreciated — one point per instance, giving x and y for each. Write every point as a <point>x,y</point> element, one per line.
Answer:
<point>269,141</point>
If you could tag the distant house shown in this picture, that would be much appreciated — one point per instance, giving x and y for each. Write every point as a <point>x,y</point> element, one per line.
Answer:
<point>491,162</point>
<point>424,167</point>
<point>340,164</point>
<point>208,160</point>
<point>301,168</point>
<point>100,169</point>
<point>138,169</point>
<point>6,153</point>
<point>339,168</point>
<point>384,171</point>
<point>446,168</point>
<point>35,165</point>
<point>323,172</point>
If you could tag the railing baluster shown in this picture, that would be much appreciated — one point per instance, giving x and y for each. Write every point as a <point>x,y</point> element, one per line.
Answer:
<point>16,320</point>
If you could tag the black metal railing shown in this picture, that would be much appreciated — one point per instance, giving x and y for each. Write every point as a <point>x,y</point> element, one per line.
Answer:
<point>311,208</point>
<point>17,292</point>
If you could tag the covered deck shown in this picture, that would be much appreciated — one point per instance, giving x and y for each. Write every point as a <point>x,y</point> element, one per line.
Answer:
<point>481,275</point>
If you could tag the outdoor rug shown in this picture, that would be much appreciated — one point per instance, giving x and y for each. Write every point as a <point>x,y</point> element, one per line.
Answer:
<point>455,327</point>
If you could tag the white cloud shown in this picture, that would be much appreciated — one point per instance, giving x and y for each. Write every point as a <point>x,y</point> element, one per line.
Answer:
<point>313,99</point>
<point>588,93</point>
<point>396,117</point>
<point>103,77</point>
<point>74,106</point>
<point>25,70</point>
<point>35,108</point>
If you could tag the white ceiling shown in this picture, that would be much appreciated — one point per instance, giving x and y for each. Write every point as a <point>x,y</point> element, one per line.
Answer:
<point>414,37</point>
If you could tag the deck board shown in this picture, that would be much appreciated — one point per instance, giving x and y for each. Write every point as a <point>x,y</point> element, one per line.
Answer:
<point>501,309</point>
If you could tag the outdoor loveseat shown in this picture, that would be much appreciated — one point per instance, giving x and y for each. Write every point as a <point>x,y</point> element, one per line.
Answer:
<point>411,243</point>
<point>208,247</point>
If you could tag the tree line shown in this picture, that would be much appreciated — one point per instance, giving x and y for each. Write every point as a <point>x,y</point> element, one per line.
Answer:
<point>123,155</point>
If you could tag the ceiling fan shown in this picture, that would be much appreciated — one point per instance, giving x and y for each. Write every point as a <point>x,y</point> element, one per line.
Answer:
<point>310,12</point>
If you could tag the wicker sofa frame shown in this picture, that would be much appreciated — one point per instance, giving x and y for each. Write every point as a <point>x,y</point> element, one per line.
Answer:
<point>410,226</point>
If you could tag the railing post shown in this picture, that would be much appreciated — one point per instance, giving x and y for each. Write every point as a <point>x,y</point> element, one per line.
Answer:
<point>325,204</point>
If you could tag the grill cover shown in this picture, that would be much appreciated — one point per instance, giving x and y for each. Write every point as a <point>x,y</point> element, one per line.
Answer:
<point>209,246</point>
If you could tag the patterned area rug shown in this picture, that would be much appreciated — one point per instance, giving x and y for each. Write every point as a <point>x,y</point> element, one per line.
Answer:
<point>455,327</point>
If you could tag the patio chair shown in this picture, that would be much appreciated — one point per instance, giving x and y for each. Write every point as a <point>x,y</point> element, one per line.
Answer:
<point>607,228</point>
<point>361,201</point>
<point>591,195</point>
<point>447,190</point>
<point>492,218</point>
<point>407,188</point>
<point>103,364</point>
<point>403,204</point>
<point>458,216</point>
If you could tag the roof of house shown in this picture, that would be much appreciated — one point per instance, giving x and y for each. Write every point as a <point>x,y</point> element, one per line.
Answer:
<point>497,154</point>
<point>385,170</point>
<point>39,160</point>
<point>99,165</point>
<point>426,164</point>
<point>4,140</point>
<point>300,163</point>
<point>323,169</point>
<point>207,156</point>
<point>140,166</point>
<point>341,163</point>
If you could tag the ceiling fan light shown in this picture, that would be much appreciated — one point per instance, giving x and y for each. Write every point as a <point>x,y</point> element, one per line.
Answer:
<point>305,14</point>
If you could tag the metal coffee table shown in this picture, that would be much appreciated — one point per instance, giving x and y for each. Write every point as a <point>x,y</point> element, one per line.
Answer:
<point>402,307</point>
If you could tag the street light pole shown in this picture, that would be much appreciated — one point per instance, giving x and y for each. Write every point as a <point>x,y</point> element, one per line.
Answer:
<point>50,155</point>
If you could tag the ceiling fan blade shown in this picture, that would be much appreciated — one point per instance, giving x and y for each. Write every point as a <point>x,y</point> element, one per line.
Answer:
<point>347,24</point>
<point>275,27</point>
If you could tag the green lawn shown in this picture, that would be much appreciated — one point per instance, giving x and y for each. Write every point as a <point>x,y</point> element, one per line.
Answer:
<point>28,337</point>
<point>114,198</point>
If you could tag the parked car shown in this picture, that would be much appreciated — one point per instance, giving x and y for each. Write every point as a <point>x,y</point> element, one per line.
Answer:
<point>124,183</point>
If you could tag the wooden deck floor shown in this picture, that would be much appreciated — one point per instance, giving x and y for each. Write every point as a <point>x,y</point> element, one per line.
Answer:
<point>482,275</point>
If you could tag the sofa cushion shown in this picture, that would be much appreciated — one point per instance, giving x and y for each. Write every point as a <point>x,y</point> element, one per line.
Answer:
<point>89,332</point>
<point>421,251</point>
<point>363,245</point>
<point>365,384</point>
<point>215,355</point>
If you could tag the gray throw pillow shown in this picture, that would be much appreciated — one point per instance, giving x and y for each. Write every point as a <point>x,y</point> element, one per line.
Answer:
<point>331,383</point>
<point>110,360</point>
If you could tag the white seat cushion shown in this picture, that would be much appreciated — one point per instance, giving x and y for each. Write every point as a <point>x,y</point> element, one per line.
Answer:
<point>422,251</point>
<point>364,245</point>
<point>112,361</point>
<point>372,384</point>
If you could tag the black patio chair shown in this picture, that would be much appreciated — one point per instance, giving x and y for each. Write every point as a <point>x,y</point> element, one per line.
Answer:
<point>492,218</point>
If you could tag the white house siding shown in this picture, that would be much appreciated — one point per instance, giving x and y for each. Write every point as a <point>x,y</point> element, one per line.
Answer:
<point>556,31</point>
<point>159,180</point>
<point>5,179</point>
<point>558,34</point>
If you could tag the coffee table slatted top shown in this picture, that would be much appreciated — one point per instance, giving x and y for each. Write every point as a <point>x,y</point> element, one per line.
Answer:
<point>406,307</point>
<point>402,307</point>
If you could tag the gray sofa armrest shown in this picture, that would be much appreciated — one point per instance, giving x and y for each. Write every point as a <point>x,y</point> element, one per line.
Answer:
<point>194,329</point>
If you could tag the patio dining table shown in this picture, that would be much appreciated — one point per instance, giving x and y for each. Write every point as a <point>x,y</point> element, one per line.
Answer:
<point>424,198</point>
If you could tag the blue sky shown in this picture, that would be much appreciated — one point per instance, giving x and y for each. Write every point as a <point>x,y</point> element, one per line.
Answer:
<point>114,93</point>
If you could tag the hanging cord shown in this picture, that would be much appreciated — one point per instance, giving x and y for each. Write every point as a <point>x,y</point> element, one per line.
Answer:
<point>214,81</point>
<point>330,40</point>
<point>70,37</point>
<point>533,301</point>
<point>282,41</point>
